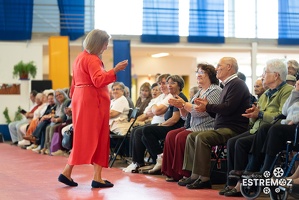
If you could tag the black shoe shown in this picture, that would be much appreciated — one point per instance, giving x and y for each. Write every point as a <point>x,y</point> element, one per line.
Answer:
<point>198,184</point>
<point>65,180</point>
<point>96,184</point>
<point>223,191</point>
<point>236,172</point>
<point>247,173</point>
<point>186,181</point>
<point>233,193</point>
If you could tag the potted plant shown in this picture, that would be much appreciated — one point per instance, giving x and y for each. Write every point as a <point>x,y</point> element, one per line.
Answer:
<point>23,70</point>
<point>4,131</point>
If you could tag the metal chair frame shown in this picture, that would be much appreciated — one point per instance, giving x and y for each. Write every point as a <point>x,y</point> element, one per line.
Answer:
<point>121,138</point>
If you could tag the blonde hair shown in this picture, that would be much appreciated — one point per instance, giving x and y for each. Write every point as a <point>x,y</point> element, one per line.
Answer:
<point>95,41</point>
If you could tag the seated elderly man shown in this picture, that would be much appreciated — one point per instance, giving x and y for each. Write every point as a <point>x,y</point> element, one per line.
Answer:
<point>234,100</point>
<point>259,88</point>
<point>269,106</point>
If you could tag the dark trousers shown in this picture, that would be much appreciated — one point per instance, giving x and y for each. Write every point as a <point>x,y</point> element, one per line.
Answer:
<point>257,156</point>
<point>276,140</point>
<point>137,146</point>
<point>40,127</point>
<point>152,136</point>
<point>238,148</point>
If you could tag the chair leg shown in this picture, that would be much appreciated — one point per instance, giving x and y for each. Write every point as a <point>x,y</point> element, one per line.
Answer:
<point>117,151</point>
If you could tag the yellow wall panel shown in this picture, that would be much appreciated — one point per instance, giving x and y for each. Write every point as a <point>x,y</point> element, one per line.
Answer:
<point>186,87</point>
<point>59,60</point>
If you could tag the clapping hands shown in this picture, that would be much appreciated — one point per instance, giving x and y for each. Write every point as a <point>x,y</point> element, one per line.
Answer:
<point>252,112</point>
<point>201,104</point>
<point>177,101</point>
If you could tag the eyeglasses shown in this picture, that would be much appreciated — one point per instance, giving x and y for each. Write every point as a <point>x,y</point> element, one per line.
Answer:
<point>115,89</point>
<point>199,72</point>
<point>58,95</point>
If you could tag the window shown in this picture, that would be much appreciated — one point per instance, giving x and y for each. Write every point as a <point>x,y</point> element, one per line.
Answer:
<point>119,17</point>
<point>243,19</point>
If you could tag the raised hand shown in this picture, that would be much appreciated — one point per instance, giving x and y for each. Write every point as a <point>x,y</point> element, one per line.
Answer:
<point>120,66</point>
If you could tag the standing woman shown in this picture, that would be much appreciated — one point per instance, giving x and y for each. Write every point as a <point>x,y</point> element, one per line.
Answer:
<point>91,104</point>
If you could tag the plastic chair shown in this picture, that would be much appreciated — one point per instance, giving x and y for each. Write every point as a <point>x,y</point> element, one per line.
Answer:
<point>121,138</point>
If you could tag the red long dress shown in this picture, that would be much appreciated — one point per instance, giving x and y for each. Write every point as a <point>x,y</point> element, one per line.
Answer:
<point>90,110</point>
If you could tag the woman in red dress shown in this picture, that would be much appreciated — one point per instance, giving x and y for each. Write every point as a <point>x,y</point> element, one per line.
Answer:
<point>91,104</point>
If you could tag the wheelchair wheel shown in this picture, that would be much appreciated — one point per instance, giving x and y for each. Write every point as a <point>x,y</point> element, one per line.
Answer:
<point>251,192</point>
<point>278,193</point>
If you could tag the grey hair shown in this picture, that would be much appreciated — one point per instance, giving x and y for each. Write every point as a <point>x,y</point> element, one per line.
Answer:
<point>95,41</point>
<point>278,66</point>
<point>63,93</point>
<point>178,79</point>
<point>122,86</point>
<point>39,96</point>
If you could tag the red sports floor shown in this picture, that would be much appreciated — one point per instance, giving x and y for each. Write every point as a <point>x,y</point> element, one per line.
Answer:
<point>26,175</point>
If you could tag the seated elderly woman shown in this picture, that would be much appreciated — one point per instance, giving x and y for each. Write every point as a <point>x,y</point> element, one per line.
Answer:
<point>62,101</point>
<point>161,105</point>
<point>152,135</point>
<point>28,128</point>
<point>37,137</point>
<point>58,130</point>
<point>119,107</point>
<point>174,145</point>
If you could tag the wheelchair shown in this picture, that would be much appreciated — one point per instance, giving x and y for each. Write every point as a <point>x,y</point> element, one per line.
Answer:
<point>278,186</point>
<point>271,184</point>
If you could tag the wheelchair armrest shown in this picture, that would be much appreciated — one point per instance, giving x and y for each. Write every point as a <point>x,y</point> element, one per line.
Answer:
<point>277,118</point>
<point>296,136</point>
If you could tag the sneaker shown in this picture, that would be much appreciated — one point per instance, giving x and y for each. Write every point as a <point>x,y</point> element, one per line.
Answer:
<point>33,146</point>
<point>157,168</point>
<point>131,167</point>
<point>37,149</point>
<point>58,153</point>
<point>24,142</point>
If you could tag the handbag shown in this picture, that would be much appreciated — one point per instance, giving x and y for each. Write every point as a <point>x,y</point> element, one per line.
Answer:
<point>120,126</point>
<point>67,139</point>
<point>56,142</point>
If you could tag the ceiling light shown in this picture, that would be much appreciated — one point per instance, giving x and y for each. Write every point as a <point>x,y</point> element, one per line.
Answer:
<point>159,55</point>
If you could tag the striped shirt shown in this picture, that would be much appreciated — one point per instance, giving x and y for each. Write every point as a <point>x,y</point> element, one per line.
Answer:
<point>202,121</point>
